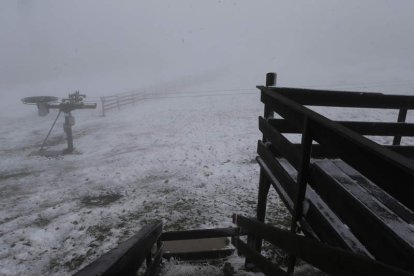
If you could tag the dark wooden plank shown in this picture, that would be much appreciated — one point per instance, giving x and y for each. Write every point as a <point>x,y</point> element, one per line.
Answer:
<point>391,171</point>
<point>267,267</point>
<point>199,234</point>
<point>264,187</point>
<point>319,220</point>
<point>154,268</point>
<point>319,152</point>
<point>393,204</point>
<point>287,200</point>
<point>275,171</point>
<point>303,174</point>
<point>199,255</point>
<point>406,151</point>
<point>369,220</point>
<point>363,128</point>
<point>343,98</point>
<point>127,257</point>
<point>327,258</point>
<point>328,227</point>
<point>402,115</point>
<point>280,143</point>
<point>302,179</point>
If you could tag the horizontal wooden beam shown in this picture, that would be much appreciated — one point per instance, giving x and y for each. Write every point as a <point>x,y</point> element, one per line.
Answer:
<point>343,98</point>
<point>327,258</point>
<point>200,234</point>
<point>320,152</point>
<point>199,255</point>
<point>363,128</point>
<point>276,171</point>
<point>280,143</point>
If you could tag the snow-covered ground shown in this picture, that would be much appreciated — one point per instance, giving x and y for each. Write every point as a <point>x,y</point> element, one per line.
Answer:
<point>188,161</point>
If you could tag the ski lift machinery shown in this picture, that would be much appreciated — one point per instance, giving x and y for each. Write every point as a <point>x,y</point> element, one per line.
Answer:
<point>73,102</point>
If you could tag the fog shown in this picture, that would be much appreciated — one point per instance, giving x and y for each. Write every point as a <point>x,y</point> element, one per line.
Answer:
<point>106,47</point>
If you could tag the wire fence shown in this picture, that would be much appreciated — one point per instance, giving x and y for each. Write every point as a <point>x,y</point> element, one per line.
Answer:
<point>118,101</point>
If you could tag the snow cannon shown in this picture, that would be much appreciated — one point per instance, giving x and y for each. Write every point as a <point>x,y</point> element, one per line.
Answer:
<point>66,106</point>
<point>42,103</point>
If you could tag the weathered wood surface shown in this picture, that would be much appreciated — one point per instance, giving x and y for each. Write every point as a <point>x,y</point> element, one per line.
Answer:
<point>369,219</point>
<point>361,202</point>
<point>382,166</point>
<point>329,259</point>
<point>127,257</point>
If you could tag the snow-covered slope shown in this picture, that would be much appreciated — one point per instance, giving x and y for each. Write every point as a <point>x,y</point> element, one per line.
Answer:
<point>188,161</point>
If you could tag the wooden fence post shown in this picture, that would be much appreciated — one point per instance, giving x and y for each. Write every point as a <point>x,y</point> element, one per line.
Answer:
<point>302,180</point>
<point>264,183</point>
<point>268,113</point>
<point>103,106</point>
<point>402,115</point>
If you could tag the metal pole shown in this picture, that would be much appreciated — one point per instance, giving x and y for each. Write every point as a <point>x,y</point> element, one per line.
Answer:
<point>68,129</point>
<point>50,131</point>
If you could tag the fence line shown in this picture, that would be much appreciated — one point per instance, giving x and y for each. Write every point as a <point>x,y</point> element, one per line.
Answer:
<point>117,101</point>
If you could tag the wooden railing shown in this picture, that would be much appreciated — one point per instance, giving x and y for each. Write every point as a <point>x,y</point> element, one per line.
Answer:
<point>373,198</point>
<point>327,258</point>
<point>128,256</point>
<point>118,101</point>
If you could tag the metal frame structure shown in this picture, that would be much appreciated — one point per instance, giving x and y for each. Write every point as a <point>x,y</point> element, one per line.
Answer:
<point>73,102</point>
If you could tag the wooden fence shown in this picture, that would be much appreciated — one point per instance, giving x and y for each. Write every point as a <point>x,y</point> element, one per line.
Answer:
<point>336,176</point>
<point>118,101</point>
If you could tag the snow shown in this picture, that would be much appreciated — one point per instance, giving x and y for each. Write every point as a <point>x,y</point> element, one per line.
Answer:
<point>188,161</point>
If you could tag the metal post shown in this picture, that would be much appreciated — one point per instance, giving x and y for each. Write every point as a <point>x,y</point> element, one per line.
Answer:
<point>68,129</point>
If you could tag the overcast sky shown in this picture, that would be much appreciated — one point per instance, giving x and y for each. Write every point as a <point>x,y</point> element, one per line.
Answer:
<point>104,47</point>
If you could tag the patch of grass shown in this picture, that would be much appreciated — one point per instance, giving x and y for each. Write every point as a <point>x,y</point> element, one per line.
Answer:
<point>54,263</point>
<point>99,232</point>
<point>41,222</point>
<point>75,262</point>
<point>101,200</point>
<point>19,174</point>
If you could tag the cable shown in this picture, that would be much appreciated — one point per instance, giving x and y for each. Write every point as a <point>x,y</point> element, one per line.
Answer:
<point>50,130</point>
<point>326,86</point>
